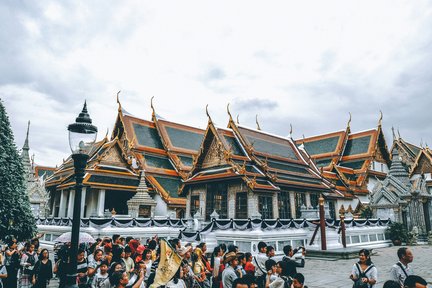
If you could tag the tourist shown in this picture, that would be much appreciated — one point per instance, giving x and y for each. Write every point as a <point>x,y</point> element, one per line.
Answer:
<point>292,264</point>
<point>139,254</point>
<point>42,272</point>
<point>414,281</point>
<point>271,271</point>
<point>28,260</point>
<point>198,268</point>
<point>154,267</point>
<point>364,273</point>
<point>205,261</point>
<point>147,255</point>
<point>229,275</point>
<point>250,280</point>
<point>177,281</point>
<point>152,245</point>
<point>128,261</point>
<point>249,266</point>
<point>401,270</point>
<point>3,271</point>
<point>117,248</point>
<point>12,263</point>
<point>94,264</point>
<point>298,281</point>
<point>99,279</point>
<point>115,267</point>
<point>120,280</point>
<point>270,251</point>
<point>82,266</point>
<point>135,276</point>
<point>391,284</point>
<point>188,275</point>
<point>280,281</point>
<point>215,262</point>
<point>260,259</point>
<point>240,267</point>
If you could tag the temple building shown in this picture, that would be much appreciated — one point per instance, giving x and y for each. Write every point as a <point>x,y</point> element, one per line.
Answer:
<point>246,173</point>
<point>352,161</point>
<point>35,176</point>
<point>137,172</point>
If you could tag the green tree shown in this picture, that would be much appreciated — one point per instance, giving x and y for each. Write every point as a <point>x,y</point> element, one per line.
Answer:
<point>16,217</point>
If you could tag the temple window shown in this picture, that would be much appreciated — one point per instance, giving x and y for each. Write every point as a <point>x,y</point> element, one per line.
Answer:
<point>217,196</point>
<point>314,200</point>
<point>300,200</point>
<point>284,205</point>
<point>241,205</point>
<point>265,206</point>
<point>195,204</point>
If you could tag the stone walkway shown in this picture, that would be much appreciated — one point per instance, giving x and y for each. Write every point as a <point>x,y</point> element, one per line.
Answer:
<point>335,273</point>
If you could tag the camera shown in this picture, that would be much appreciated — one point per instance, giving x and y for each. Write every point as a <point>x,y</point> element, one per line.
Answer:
<point>298,249</point>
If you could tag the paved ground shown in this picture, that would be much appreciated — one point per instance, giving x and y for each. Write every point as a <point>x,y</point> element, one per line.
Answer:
<point>327,273</point>
<point>324,273</point>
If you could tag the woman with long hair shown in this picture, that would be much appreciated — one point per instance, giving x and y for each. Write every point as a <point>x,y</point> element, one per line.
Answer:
<point>12,263</point>
<point>364,273</point>
<point>198,268</point>
<point>42,272</point>
<point>28,260</point>
<point>215,262</point>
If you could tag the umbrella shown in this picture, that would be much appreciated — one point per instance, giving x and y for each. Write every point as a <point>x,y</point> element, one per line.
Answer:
<point>83,238</point>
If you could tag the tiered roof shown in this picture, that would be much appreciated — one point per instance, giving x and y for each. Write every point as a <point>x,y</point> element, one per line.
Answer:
<point>265,162</point>
<point>346,158</point>
<point>107,167</point>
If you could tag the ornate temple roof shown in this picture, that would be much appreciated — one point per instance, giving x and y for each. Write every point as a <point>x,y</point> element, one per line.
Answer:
<point>346,158</point>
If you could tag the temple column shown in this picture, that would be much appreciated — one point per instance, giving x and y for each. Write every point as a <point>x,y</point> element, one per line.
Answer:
<point>62,207</point>
<point>292,204</point>
<point>101,203</point>
<point>231,203</point>
<point>275,206</point>
<point>203,200</point>
<point>71,203</point>
<point>53,204</point>
<point>308,200</point>
<point>83,201</point>
<point>188,203</point>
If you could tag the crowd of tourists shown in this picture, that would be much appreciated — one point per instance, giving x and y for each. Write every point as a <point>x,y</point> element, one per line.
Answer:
<point>128,262</point>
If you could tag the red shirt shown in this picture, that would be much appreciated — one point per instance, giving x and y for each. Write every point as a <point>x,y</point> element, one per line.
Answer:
<point>249,268</point>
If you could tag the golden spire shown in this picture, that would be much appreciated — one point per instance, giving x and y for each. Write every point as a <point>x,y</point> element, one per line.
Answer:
<point>106,134</point>
<point>380,119</point>
<point>349,121</point>
<point>238,122</point>
<point>151,105</point>
<point>394,135</point>
<point>208,114</point>
<point>256,120</point>
<point>291,131</point>
<point>229,113</point>
<point>118,101</point>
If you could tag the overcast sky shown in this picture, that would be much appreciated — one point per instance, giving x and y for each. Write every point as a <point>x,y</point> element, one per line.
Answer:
<point>308,63</point>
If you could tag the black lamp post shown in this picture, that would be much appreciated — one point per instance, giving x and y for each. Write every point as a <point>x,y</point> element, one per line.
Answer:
<point>82,135</point>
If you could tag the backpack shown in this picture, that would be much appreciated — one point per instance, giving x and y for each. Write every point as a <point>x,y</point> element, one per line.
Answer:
<point>358,283</point>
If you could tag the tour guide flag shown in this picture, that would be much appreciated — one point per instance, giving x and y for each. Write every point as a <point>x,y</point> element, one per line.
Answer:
<point>169,263</point>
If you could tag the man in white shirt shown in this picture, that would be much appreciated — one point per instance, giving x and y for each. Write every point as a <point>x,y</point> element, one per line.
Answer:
<point>401,270</point>
<point>259,261</point>
<point>229,275</point>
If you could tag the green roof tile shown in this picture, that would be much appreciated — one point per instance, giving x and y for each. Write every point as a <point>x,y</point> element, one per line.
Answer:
<point>114,180</point>
<point>232,142</point>
<point>353,164</point>
<point>158,162</point>
<point>321,146</point>
<point>170,185</point>
<point>272,148</point>
<point>147,136</point>
<point>186,160</point>
<point>357,146</point>
<point>184,139</point>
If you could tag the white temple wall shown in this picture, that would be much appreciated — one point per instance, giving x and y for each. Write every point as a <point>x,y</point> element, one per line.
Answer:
<point>275,206</point>
<point>161,208</point>
<point>372,181</point>
<point>252,200</point>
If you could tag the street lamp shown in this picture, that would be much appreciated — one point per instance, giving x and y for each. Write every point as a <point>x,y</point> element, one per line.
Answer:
<point>82,135</point>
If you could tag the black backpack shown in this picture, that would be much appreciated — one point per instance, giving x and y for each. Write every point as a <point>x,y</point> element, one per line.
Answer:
<point>358,283</point>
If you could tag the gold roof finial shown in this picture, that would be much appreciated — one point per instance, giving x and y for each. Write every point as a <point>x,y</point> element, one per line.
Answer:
<point>106,135</point>
<point>349,120</point>
<point>208,114</point>
<point>394,135</point>
<point>118,101</point>
<point>229,113</point>
<point>152,107</point>
<point>380,119</point>
<point>256,120</point>
<point>238,122</point>
<point>398,133</point>
<point>291,130</point>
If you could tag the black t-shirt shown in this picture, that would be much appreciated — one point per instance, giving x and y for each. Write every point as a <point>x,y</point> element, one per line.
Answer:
<point>116,251</point>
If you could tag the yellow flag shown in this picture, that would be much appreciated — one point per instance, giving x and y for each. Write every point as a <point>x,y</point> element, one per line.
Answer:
<point>169,263</point>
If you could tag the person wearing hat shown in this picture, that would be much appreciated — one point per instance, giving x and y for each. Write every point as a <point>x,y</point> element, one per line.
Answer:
<point>229,274</point>
<point>139,254</point>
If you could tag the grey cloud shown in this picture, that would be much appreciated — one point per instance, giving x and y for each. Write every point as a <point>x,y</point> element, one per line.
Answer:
<point>255,104</point>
